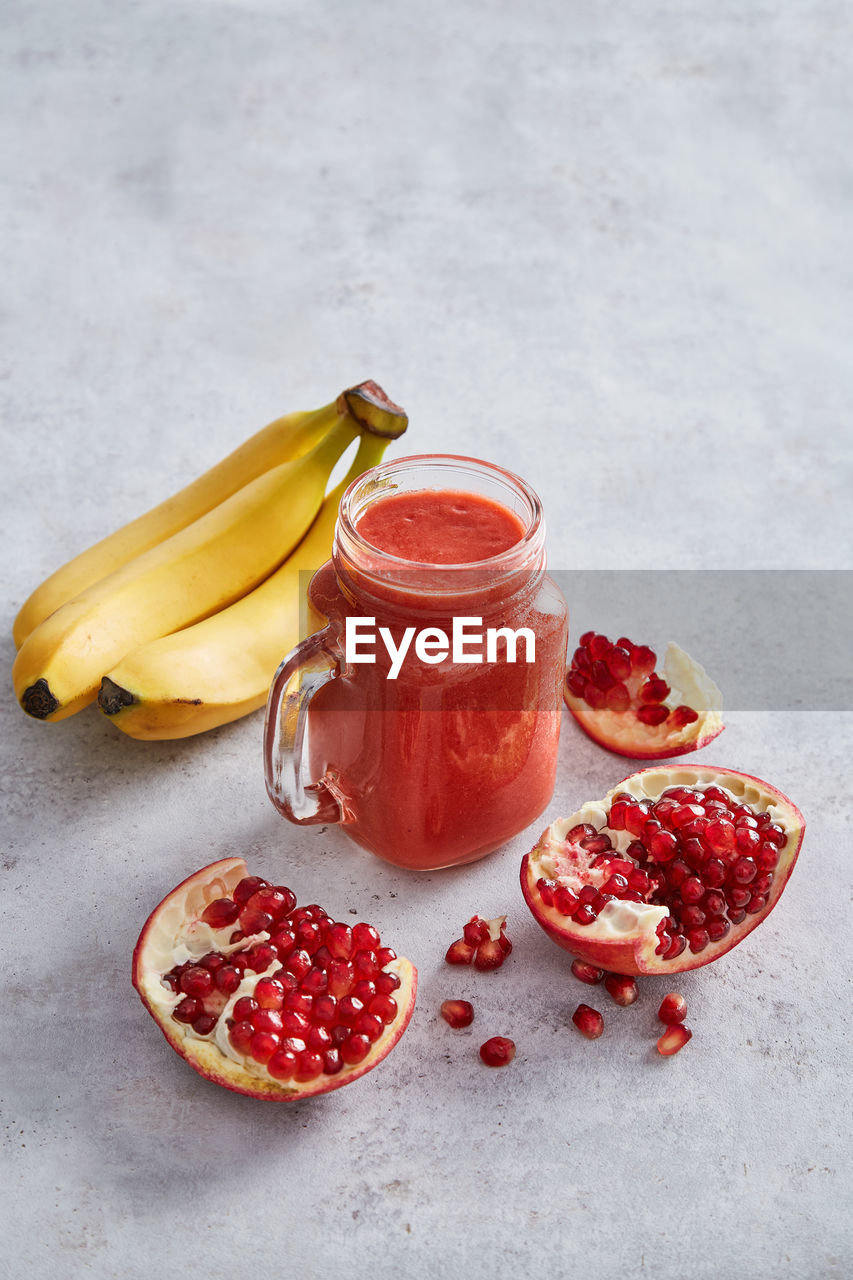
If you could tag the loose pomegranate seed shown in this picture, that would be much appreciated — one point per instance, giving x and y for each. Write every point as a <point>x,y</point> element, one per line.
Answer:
<point>673,1008</point>
<point>588,1021</point>
<point>674,1038</point>
<point>475,931</point>
<point>220,913</point>
<point>587,972</point>
<point>457,1013</point>
<point>499,1051</point>
<point>624,990</point>
<point>459,952</point>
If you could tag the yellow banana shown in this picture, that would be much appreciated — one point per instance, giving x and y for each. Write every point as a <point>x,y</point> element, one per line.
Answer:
<point>200,569</point>
<point>221,668</point>
<point>283,440</point>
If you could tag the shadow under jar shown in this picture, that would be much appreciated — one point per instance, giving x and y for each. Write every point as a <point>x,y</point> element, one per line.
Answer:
<point>445,760</point>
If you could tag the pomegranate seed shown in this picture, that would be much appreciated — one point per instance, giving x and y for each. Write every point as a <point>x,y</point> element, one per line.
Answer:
<point>636,817</point>
<point>387,982</point>
<point>240,1034</point>
<point>270,901</point>
<point>616,817</point>
<point>587,972</point>
<point>691,917</point>
<point>584,914</point>
<point>269,993</point>
<point>349,1009</point>
<point>718,927</point>
<point>188,1010</point>
<point>355,1049</point>
<point>264,1045</point>
<point>674,1038</point>
<point>261,956</point>
<point>227,980</point>
<point>282,1065</point>
<point>309,1065</point>
<point>756,903</point>
<point>545,889</point>
<point>315,982</point>
<point>459,952</point>
<point>673,1008</point>
<point>457,1013</point>
<point>308,934</point>
<point>767,857</point>
<point>618,698</point>
<point>744,871</point>
<point>325,1010</point>
<point>489,955</point>
<point>366,964</point>
<point>581,658</point>
<point>618,662</point>
<point>204,1024</point>
<point>220,913</point>
<point>267,1020</point>
<point>341,977</point>
<point>384,1006</point>
<point>499,1051</point>
<point>369,1025</point>
<point>475,931</point>
<point>299,1002</point>
<point>594,697</point>
<point>576,682</point>
<point>643,659</point>
<point>652,714</point>
<point>663,846</point>
<point>682,716</point>
<point>654,690</point>
<point>588,1021</point>
<point>720,836</point>
<point>294,1023</point>
<point>284,941</point>
<point>565,901</point>
<point>600,675</point>
<point>319,1038</point>
<point>197,982</point>
<point>247,886</point>
<point>332,1062</point>
<point>697,940</point>
<point>624,990</point>
<point>244,1008</point>
<point>692,889</point>
<point>298,963</point>
<point>747,839</point>
<point>597,844</point>
<point>714,873</point>
<point>599,646</point>
<point>776,835</point>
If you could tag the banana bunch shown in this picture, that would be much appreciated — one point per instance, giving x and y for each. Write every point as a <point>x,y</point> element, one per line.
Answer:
<point>177,622</point>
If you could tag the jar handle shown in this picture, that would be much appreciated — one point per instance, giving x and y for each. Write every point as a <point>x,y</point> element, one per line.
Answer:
<point>313,663</point>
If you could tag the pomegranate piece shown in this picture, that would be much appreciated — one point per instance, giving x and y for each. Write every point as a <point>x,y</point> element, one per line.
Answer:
<point>457,1013</point>
<point>298,1006</point>
<point>588,1021</point>
<point>497,1052</point>
<point>674,1038</point>
<point>673,1009</point>
<point>617,697</point>
<point>673,889</point>
<point>483,943</point>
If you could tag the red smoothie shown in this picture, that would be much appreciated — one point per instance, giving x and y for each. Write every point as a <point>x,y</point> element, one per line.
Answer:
<point>450,759</point>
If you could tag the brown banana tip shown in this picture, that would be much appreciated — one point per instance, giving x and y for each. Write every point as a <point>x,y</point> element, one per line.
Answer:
<point>373,410</point>
<point>38,701</point>
<point>112,697</point>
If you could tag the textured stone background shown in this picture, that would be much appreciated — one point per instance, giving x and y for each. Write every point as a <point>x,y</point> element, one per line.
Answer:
<point>607,246</point>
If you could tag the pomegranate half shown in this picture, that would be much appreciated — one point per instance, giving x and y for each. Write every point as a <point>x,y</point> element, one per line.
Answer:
<point>673,868</point>
<point>620,701</point>
<point>264,997</point>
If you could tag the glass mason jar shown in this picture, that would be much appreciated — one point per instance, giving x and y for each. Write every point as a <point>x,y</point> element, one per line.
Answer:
<point>427,761</point>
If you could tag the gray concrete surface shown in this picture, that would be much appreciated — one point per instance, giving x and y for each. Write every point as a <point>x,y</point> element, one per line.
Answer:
<point>607,246</point>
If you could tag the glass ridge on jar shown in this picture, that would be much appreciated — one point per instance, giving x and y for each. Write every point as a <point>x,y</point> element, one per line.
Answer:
<point>447,761</point>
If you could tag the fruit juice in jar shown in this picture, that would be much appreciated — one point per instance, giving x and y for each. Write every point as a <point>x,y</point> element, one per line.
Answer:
<point>433,760</point>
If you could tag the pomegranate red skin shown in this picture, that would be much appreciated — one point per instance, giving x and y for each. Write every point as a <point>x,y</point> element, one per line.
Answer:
<point>634,954</point>
<point>204,1057</point>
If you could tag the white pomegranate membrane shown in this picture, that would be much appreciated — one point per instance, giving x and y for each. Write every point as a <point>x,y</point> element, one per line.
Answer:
<point>286,992</point>
<point>698,857</point>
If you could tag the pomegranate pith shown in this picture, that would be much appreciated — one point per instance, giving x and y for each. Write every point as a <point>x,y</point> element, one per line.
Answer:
<point>653,879</point>
<point>290,1004</point>
<point>617,697</point>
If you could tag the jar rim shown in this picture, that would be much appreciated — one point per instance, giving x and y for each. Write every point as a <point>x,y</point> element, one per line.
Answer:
<point>374,483</point>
